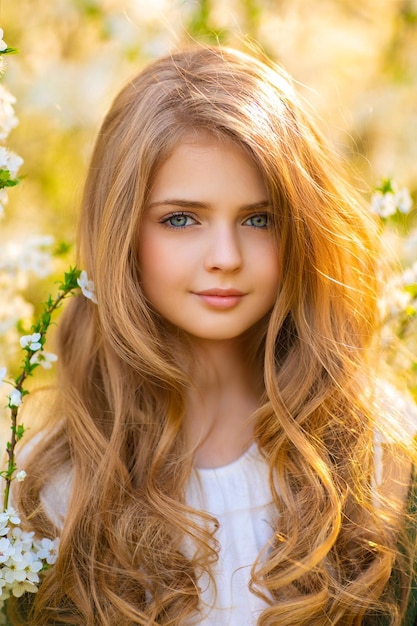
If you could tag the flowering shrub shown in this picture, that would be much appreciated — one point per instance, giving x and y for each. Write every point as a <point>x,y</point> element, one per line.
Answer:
<point>388,200</point>
<point>18,260</point>
<point>9,162</point>
<point>23,557</point>
<point>398,305</point>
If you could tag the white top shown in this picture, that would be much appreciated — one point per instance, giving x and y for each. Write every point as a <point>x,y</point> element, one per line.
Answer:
<point>238,495</point>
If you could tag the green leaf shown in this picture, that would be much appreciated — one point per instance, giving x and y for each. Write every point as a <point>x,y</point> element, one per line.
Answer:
<point>70,280</point>
<point>9,50</point>
<point>6,180</point>
<point>62,248</point>
<point>386,186</point>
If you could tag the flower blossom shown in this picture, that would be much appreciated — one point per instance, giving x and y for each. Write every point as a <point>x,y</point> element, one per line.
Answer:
<point>6,549</point>
<point>403,201</point>
<point>26,567</point>
<point>22,557</point>
<point>44,359</point>
<point>19,588</point>
<point>30,255</point>
<point>3,372</point>
<point>20,476</point>
<point>3,44</point>
<point>409,276</point>
<point>383,204</point>
<point>15,398</point>
<point>23,539</point>
<point>47,550</point>
<point>387,203</point>
<point>3,200</point>
<point>31,342</point>
<point>10,161</point>
<point>11,515</point>
<point>87,287</point>
<point>8,119</point>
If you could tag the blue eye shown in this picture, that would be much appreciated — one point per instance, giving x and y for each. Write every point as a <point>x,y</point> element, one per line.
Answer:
<point>178,220</point>
<point>260,220</point>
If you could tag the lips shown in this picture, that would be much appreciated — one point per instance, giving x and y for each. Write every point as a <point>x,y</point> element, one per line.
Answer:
<point>220,298</point>
<point>222,293</point>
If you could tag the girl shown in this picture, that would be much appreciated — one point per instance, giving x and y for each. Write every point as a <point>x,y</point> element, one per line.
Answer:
<point>219,452</point>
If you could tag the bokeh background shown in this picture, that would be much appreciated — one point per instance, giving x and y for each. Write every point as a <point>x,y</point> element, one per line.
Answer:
<point>356,61</point>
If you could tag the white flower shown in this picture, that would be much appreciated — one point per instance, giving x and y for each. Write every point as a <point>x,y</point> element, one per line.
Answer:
<point>11,515</point>
<point>3,200</point>
<point>10,161</point>
<point>19,588</point>
<point>409,276</point>
<point>20,476</point>
<point>4,525</point>
<point>13,573</point>
<point>3,372</point>
<point>3,44</point>
<point>87,287</point>
<point>8,120</point>
<point>394,302</point>
<point>29,255</point>
<point>383,205</point>
<point>47,550</point>
<point>389,202</point>
<point>24,568</point>
<point>4,530</point>
<point>22,539</point>
<point>15,398</point>
<point>6,549</point>
<point>31,342</point>
<point>403,200</point>
<point>45,359</point>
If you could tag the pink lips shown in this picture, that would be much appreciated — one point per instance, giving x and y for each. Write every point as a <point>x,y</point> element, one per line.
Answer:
<point>220,298</point>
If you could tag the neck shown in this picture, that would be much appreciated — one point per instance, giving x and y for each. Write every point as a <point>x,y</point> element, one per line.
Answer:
<point>220,405</point>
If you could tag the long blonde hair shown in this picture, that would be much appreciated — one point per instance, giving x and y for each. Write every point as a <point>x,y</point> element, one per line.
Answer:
<point>117,424</point>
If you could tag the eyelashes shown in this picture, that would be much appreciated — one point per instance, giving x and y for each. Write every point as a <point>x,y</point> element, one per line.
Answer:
<point>178,220</point>
<point>181,219</point>
<point>260,220</point>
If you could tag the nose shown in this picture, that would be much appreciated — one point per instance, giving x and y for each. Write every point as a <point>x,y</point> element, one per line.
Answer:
<point>224,250</point>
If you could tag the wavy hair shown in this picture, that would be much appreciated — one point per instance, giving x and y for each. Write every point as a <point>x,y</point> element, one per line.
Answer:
<point>117,420</point>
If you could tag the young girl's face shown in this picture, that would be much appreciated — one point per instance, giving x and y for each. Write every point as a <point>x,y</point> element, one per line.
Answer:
<point>208,257</point>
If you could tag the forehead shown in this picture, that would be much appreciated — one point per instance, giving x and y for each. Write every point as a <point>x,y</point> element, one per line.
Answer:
<point>201,157</point>
<point>202,164</point>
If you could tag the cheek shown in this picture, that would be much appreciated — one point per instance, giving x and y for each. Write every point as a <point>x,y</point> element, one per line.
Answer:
<point>149,259</point>
<point>270,269</point>
<point>152,265</point>
<point>161,265</point>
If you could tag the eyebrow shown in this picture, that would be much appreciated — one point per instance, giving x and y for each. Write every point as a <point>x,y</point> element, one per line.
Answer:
<point>193,204</point>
